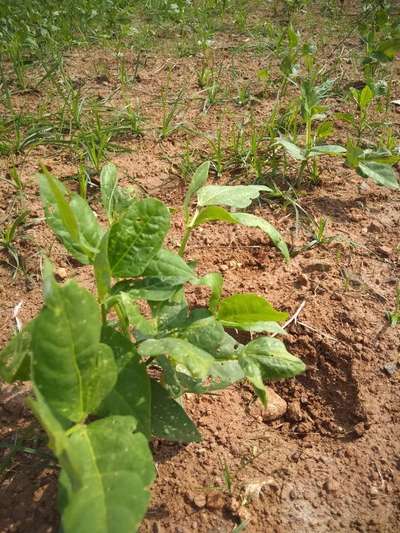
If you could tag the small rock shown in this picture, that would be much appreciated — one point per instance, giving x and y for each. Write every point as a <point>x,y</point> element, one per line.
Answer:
<point>359,429</point>
<point>61,273</point>
<point>391,368</point>
<point>215,500</point>
<point>373,491</point>
<point>301,281</point>
<point>317,267</point>
<point>294,412</point>
<point>292,494</point>
<point>385,251</point>
<point>374,227</point>
<point>276,406</point>
<point>363,187</point>
<point>331,486</point>
<point>200,500</point>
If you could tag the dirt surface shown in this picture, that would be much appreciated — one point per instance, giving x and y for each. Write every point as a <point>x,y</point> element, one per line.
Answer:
<point>332,461</point>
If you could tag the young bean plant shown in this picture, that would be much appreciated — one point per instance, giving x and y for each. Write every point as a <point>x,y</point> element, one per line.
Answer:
<point>108,371</point>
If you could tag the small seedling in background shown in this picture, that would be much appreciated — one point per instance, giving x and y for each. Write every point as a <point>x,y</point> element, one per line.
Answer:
<point>394,316</point>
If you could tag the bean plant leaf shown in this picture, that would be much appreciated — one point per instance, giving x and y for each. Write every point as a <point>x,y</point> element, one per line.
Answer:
<point>72,221</point>
<point>168,419</point>
<point>170,267</point>
<point>239,196</point>
<point>152,289</point>
<point>182,352</point>
<point>380,173</point>
<point>214,281</point>
<point>253,221</point>
<point>102,269</point>
<point>198,180</point>
<point>213,213</point>
<point>108,187</point>
<point>71,368</point>
<point>243,311</point>
<point>327,149</point>
<point>137,237</point>
<point>271,354</point>
<point>131,395</point>
<point>252,371</point>
<point>116,471</point>
<point>292,149</point>
<point>205,333</point>
<point>15,358</point>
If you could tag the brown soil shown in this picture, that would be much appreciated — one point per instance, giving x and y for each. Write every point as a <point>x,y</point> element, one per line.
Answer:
<point>332,462</point>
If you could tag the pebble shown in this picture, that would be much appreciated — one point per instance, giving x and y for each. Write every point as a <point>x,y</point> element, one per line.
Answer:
<point>386,251</point>
<point>200,500</point>
<point>318,266</point>
<point>374,227</point>
<point>294,412</point>
<point>276,406</point>
<point>215,500</point>
<point>331,486</point>
<point>391,368</point>
<point>359,429</point>
<point>373,491</point>
<point>61,273</point>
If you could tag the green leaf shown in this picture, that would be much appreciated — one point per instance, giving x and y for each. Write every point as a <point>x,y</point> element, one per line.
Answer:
<point>137,237</point>
<point>389,47</point>
<point>168,419</point>
<point>292,149</point>
<point>327,149</point>
<point>196,360</point>
<point>198,180</point>
<point>214,281</point>
<point>90,231</point>
<point>221,375</point>
<point>147,289</point>
<point>131,395</point>
<point>123,349</point>
<point>141,324</point>
<point>205,333</point>
<point>253,221</point>
<point>170,267</point>
<point>108,187</point>
<point>239,196</point>
<point>325,129</point>
<point>252,371</point>
<point>116,470</point>
<point>271,354</point>
<point>53,194</point>
<point>73,222</point>
<point>102,270</point>
<point>213,213</point>
<point>380,173</point>
<point>366,97</point>
<point>15,358</point>
<point>71,368</point>
<point>243,310</point>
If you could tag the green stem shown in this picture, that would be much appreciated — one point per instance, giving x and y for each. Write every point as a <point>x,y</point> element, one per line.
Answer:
<point>186,234</point>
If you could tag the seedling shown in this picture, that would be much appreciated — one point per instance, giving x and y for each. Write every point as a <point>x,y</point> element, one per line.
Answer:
<point>106,376</point>
<point>394,316</point>
<point>170,111</point>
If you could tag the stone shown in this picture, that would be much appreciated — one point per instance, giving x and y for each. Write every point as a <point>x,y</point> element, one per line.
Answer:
<point>359,429</point>
<point>331,486</point>
<point>391,368</point>
<point>374,227</point>
<point>200,500</point>
<point>215,500</point>
<point>294,412</point>
<point>276,406</point>
<point>385,251</point>
<point>61,273</point>
<point>318,266</point>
